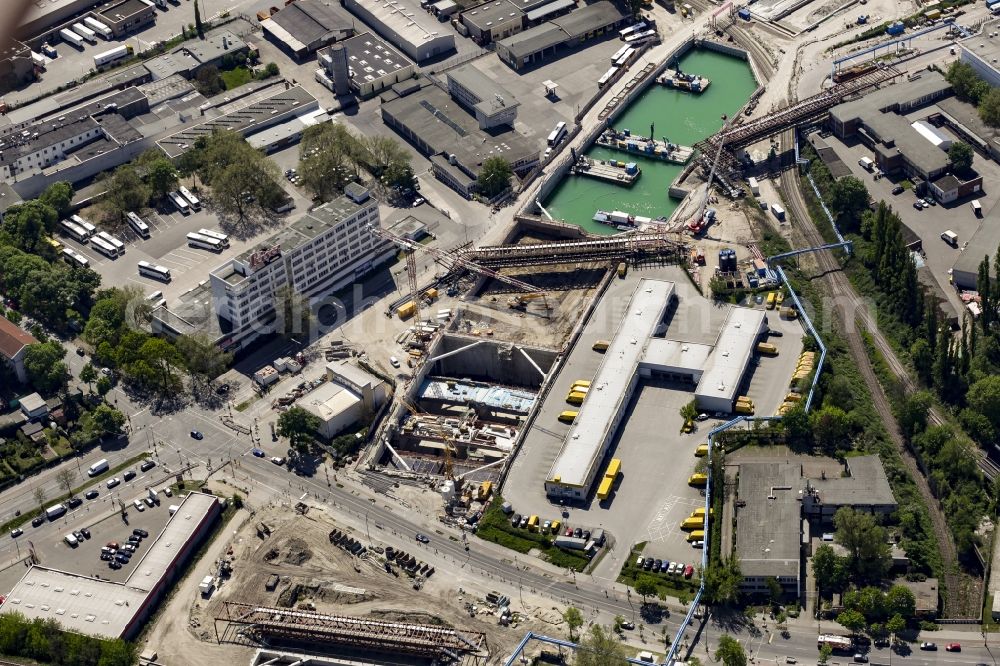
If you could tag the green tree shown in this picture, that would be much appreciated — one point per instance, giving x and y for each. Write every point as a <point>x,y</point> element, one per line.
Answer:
<point>723,580</point>
<point>849,198</point>
<point>245,189</point>
<point>730,652</point>
<point>58,196</point>
<point>852,620</point>
<point>201,356</point>
<point>830,427</point>
<point>645,586</point>
<point>103,385</point>
<point>773,589</point>
<point>984,397</point>
<point>271,69</point>
<point>989,107</point>
<point>45,368</point>
<point>197,21</point>
<point>599,647</point>
<point>382,151</point>
<point>494,176</point>
<point>28,224</point>
<point>209,81</point>
<point>39,494</point>
<point>865,541</point>
<point>161,176</point>
<point>896,624</point>
<point>900,601</point>
<point>107,421</point>
<point>88,375</point>
<point>960,155</point>
<point>825,652</point>
<point>299,426</point>
<point>124,192</point>
<point>966,83</point>
<point>689,411</point>
<point>329,158</point>
<point>923,359</point>
<point>574,620</point>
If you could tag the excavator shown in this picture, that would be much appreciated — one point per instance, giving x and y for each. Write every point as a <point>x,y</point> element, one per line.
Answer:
<point>520,301</point>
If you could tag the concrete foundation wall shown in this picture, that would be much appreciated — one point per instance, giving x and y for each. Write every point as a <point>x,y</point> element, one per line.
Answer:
<point>493,362</point>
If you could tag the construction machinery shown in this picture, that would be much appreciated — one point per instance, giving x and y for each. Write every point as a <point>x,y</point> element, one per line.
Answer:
<point>520,301</point>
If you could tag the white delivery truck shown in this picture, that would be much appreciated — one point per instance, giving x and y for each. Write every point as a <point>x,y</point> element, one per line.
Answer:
<point>950,237</point>
<point>867,163</point>
<point>55,511</point>
<point>98,467</point>
<point>206,586</point>
<point>977,208</point>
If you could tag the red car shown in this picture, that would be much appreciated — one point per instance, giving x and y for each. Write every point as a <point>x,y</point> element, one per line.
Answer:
<point>569,531</point>
<point>688,571</point>
<point>953,647</point>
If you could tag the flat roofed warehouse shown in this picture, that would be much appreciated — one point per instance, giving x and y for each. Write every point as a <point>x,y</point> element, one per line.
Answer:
<point>573,471</point>
<point>732,352</point>
<point>308,25</point>
<point>411,29</point>
<point>769,525</point>
<point>106,609</point>
<point>373,64</point>
<point>982,245</point>
<point>534,44</point>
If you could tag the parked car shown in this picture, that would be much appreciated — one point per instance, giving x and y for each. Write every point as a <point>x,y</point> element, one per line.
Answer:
<point>657,564</point>
<point>138,505</point>
<point>586,535</point>
<point>394,361</point>
<point>149,501</point>
<point>516,520</point>
<point>578,533</point>
<point>129,547</point>
<point>569,532</point>
<point>133,538</point>
<point>672,568</point>
<point>115,564</point>
<point>91,494</point>
<point>35,522</point>
<point>953,647</point>
<point>140,533</point>
<point>257,453</point>
<point>664,566</point>
<point>898,189</point>
<point>147,465</point>
<point>278,460</point>
<point>123,557</point>
<point>702,417</point>
<point>74,502</point>
<point>129,474</point>
<point>113,482</point>
<point>85,532</point>
<point>688,571</point>
<point>113,545</point>
<point>860,658</point>
<point>196,434</point>
<point>628,624</point>
<point>927,645</point>
<point>422,538</point>
<point>80,352</point>
<point>16,532</point>
<point>918,205</point>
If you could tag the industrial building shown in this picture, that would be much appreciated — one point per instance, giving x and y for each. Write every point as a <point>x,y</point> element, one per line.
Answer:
<point>491,103</point>
<point>266,107</point>
<point>877,120</point>
<point>981,52</point>
<point>531,46</point>
<point>193,55</point>
<point>14,341</point>
<point>983,244</point>
<point>864,488</point>
<point>450,136</point>
<point>769,526</point>
<point>371,65</point>
<point>304,27</point>
<point>407,26</point>
<point>345,399</point>
<point>126,16</point>
<point>101,608</point>
<point>493,21</point>
<point>636,352</point>
<point>16,66</point>
<point>317,254</point>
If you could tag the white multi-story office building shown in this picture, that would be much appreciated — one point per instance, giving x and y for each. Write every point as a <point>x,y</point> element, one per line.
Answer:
<point>325,250</point>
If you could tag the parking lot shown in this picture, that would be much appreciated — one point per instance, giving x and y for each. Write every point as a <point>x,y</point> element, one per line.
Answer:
<point>928,224</point>
<point>652,495</point>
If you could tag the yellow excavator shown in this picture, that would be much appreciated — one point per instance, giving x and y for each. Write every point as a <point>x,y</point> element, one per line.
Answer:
<point>520,301</point>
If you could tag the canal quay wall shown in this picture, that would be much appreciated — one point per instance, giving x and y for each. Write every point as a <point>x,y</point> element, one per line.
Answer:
<point>530,217</point>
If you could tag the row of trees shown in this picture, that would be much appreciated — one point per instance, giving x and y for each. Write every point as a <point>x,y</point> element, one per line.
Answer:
<point>330,157</point>
<point>31,273</point>
<point>959,369</point>
<point>45,641</point>
<point>969,87</point>
<point>132,187</point>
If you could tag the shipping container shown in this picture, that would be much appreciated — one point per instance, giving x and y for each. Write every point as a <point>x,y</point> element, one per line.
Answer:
<point>767,348</point>
<point>113,56</point>
<point>71,37</point>
<point>101,29</point>
<point>406,310</point>
<point>778,211</point>
<point>85,32</point>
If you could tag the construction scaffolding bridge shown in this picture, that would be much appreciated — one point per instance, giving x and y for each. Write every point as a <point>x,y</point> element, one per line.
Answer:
<point>635,246</point>
<point>246,624</point>
<point>810,109</point>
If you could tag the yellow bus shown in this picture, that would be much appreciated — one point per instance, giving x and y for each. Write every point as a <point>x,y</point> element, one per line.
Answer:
<point>771,297</point>
<point>568,416</point>
<point>554,527</point>
<point>580,383</point>
<point>601,345</point>
<point>793,397</point>
<point>697,535</point>
<point>56,245</point>
<point>767,349</point>
<point>744,399</point>
<point>743,408</point>
<point>604,489</point>
<point>575,397</point>
<point>614,467</point>
<point>533,523</point>
<point>700,512</point>
<point>698,479</point>
<point>701,451</point>
<point>693,523</point>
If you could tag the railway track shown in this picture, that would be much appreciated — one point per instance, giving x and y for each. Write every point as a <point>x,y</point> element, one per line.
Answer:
<point>850,310</point>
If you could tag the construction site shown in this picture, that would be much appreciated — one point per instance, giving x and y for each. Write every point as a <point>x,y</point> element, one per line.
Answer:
<point>298,581</point>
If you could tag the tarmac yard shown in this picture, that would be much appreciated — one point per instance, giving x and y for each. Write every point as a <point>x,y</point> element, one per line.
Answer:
<point>652,496</point>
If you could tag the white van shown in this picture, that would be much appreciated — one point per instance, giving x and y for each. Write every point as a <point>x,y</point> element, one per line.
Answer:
<point>71,540</point>
<point>977,208</point>
<point>98,467</point>
<point>139,506</point>
<point>950,237</point>
<point>867,163</point>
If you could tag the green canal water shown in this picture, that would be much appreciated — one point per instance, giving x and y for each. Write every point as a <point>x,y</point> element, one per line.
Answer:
<point>680,117</point>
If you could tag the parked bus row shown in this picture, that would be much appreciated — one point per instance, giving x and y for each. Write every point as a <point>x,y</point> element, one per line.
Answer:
<point>184,201</point>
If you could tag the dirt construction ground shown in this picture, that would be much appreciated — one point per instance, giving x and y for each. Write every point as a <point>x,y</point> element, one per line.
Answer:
<point>315,575</point>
